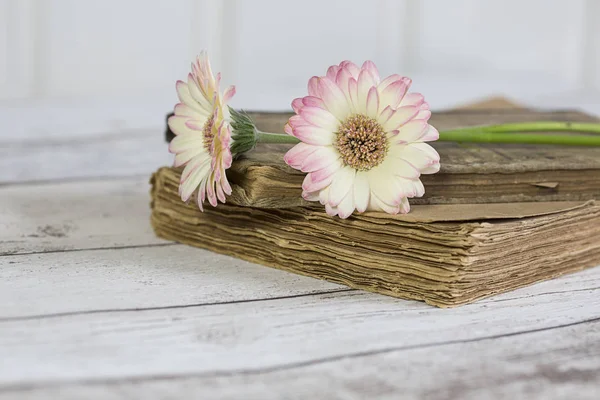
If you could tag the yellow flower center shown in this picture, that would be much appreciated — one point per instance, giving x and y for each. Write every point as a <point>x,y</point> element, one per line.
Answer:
<point>361,142</point>
<point>207,132</point>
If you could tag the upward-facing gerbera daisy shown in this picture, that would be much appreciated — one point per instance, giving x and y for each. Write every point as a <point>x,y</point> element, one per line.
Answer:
<point>362,141</point>
<point>203,134</point>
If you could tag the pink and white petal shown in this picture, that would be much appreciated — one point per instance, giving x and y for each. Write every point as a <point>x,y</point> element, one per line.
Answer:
<point>186,98</point>
<point>179,127</point>
<point>309,185</point>
<point>332,72</point>
<point>342,78</point>
<point>313,87</point>
<point>201,195</point>
<point>382,184</point>
<point>314,135</point>
<point>220,192</point>
<point>195,125</point>
<point>189,186</point>
<point>399,118</point>
<point>373,103</point>
<point>394,78</point>
<point>324,195</point>
<point>413,155</point>
<point>197,94</point>
<point>311,101</point>
<point>362,191</point>
<point>431,134</point>
<point>320,117</point>
<point>429,151</point>
<point>182,143</point>
<point>330,210</point>
<point>334,98</point>
<point>325,173</point>
<point>210,190</point>
<point>228,94</point>
<point>298,120</point>
<point>296,155</point>
<point>413,99</point>
<point>365,83</point>
<point>297,104</point>
<point>288,129</point>
<point>185,156</point>
<point>404,206</point>
<point>341,184</point>
<point>385,114</point>
<point>310,196</point>
<point>351,67</point>
<point>199,161</point>
<point>372,68</point>
<point>186,111</point>
<point>346,206</point>
<point>432,169</point>
<point>353,92</point>
<point>405,169</point>
<point>322,158</point>
<point>392,95</point>
<point>423,114</point>
<point>411,131</point>
<point>377,204</point>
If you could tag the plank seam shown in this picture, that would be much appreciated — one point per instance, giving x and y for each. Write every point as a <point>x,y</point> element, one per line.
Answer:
<point>173,307</point>
<point>182,306</point>
<point>283,367</point>
<point>136,246</point>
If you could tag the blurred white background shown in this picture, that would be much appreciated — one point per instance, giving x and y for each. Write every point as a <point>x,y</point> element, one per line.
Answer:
<point>73,67</point>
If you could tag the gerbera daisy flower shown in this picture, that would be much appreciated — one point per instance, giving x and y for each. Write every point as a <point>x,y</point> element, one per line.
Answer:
<point>362,141</point>
<point>203,135</point>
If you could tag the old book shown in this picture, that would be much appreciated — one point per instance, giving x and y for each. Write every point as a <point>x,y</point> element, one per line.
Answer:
<point>446,255</point>
<point>495,218</point>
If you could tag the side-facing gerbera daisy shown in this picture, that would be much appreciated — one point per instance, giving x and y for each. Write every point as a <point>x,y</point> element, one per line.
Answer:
<point>203,134</point>
<point>362,141</point>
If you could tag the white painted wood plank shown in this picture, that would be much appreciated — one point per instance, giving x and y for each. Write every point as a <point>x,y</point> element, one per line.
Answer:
<point>562,363</point>
<point>75,215</point>
<point>121,154</point>
<point>161,276</point>
<point>225,339</point>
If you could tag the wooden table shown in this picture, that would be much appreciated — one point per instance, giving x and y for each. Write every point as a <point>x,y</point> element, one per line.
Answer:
<point>93,305</point>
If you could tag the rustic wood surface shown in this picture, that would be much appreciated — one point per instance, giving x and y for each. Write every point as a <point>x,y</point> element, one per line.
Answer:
<point>93,306</point>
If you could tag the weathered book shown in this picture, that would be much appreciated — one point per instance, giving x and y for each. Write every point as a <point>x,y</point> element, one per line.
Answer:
<point>495,218</point>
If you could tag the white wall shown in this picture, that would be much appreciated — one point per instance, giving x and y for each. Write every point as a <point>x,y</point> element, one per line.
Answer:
<point>123,56</point>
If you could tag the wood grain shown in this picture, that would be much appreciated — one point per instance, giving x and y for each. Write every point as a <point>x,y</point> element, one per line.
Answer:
<point>547,364</point>
<point>113,154</point>
<point>251,337</point>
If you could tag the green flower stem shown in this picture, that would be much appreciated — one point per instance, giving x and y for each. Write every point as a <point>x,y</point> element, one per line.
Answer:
<point>511,133</point>
<point>266,137</point>
<point>479,136</point>
<point>504,133</point>
<point>540,126</point>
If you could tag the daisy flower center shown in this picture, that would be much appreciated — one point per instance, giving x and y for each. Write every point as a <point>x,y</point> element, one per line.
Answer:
<point>361,142</point>
<point>207,132</point>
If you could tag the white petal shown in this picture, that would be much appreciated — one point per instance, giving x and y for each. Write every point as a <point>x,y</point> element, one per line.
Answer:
<point>361,191</point>
<point>346,207</point>
<point>341,184</point>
